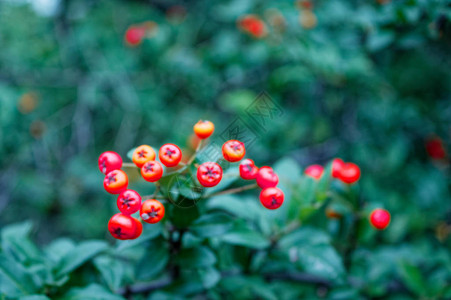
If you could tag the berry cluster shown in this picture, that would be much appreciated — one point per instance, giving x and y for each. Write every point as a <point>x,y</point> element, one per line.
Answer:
<point>347,172</point>
<point>123,226</point>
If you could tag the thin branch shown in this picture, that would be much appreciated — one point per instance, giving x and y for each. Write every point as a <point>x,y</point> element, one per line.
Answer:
<point>129,165</point>
<point>190,161</point>
<point>233,191</point>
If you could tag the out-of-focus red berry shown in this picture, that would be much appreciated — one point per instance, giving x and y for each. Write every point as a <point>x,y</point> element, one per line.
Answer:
<point>253,25</point>
<point>315,171</point>
<point>266,177</point>
<point>380,218</point>
<point>349,173</point>
<point>134,35</point>
<point>435,148</point>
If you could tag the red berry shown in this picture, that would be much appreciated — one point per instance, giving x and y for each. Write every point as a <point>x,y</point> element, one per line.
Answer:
<point>109,161</point>
<point>122,227</point>
<point>271,198</point>
<point>152,171</point>
<point>337,164</point>
<point>315,171</point>
<point>248,170</point>
<point>139,228</point>
<point>350,173</point>
<point>435,148</point>
<point>209,174</point>
<point>115,182</point>
<point>266,177</point>
<point>170,155</point>
<point>143,154</point>
<point>152,211</point>
<point>233,150</point>
<point>134,35</point>
<point>380,218</point>
<point>253,25</point>
<point>203,129</point>
<point>129,202</point>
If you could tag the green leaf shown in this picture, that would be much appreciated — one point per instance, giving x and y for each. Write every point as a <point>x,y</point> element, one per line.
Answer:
<point>288,170</point>
<point>34,297</point>
<point>130,153</point>
<point>196,257</point>
<point>303,236</point>
<point>16,242</point>
<point>80,255</point>
<point>209,277</point>
<point>246,238</point>
<point>154,261</point>
<point>112,271</point>
<point>412,277</point>
<point>91,292</point>
<point>150,232</point>
<point>15,280</point>
<point>56,250</point>
<point>211,225</point>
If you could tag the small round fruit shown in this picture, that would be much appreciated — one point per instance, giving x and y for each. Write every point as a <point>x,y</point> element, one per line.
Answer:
<point>115,182</point>
<point>152,171</point>
<point>435,148</point>
<point>209,174</point>
<point>152,211</point>
<point>349,173</point>
<point>233,150</point>
<point>266,177</point>
<point>129,202</point>
<point>248,170</point>
<point>122,227</point>
<point>271,198</point>
<point>143,154</point>
<point>109,161</point>
<point>170,155</point>
<point>134,35</point>
<point>337,165</point>
<point>380,218</point>
<point>139,228</point>
<point>315,171</point>
<point>203,129</point>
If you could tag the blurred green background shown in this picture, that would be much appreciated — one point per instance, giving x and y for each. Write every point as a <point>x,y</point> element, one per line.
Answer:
<point>366,81</point>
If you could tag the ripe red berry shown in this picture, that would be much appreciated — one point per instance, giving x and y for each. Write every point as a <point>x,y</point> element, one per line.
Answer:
<point>209,174</point>
<point>122,227</point>
<point>134,35</point>
<point>266,177</point>
<point>253,25</point>
<point>337,164</point>
<point>435,148</point>
<point>203,129</point>
<point>152,211</point>
<point>271,198</point>
<point>129,202</point>
<point>170,155</point>
<point>143,154</point>
<point>248,170</point>
<point>139,228</point>
<point>152,171</point>
<point>349,173</point>
<point>109,161</point>
<point>233,150</point>
<point>115,182</point>
<point>315,171</point>
<point>380,218</point>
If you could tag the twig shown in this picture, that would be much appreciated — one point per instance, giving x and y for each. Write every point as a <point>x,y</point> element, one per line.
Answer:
<point>233,191</point>
<point>129,165</point>
<point>195,153</point>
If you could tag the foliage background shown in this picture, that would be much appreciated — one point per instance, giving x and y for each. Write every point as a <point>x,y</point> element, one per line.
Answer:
<point>369,83</point>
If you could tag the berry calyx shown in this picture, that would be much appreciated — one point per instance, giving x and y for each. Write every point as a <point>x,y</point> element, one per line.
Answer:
<point>337,165</point>
<point>314,171</point>
<point>152,211</point>
<point>233,150</point>
<point>152,171</point>
<point>380,218</point>
<point>266,177</point>
<point>109,161</point>
<point>170,155</point>
<point>209,174</point>
<point>134,35</point>
<point>248,170</point>
<point>271,198</point>
<point>203,129</point>
<point>143,154</point>
<point>115,182</point>
<point>129,202</point>
<point>122,227</point>
<point>349,173</point>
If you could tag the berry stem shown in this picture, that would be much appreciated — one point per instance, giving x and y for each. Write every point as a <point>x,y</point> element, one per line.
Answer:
<point>157,189</point>
<point>233,191</point>
<point>190,161</point>
<point>129,165</point>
